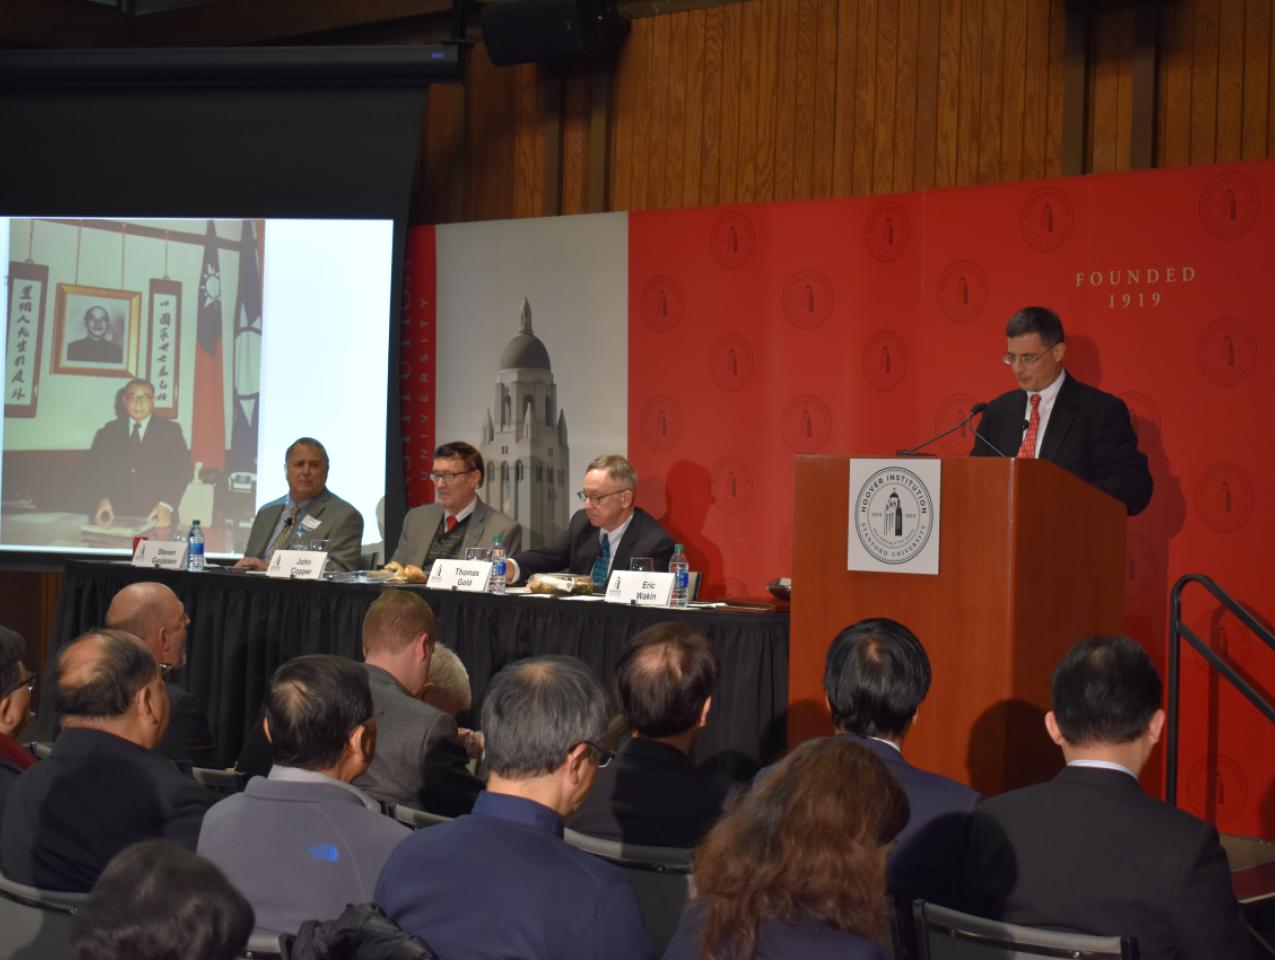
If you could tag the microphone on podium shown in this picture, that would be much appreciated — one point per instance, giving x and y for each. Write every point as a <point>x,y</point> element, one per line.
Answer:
<point>974,412</point>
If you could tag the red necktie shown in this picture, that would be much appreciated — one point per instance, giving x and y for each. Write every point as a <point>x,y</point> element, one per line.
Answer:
<point>1028,450</point>
<point>451,524</point>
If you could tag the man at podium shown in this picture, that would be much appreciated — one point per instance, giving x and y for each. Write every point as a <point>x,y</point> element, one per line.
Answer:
<point>1055,417</point>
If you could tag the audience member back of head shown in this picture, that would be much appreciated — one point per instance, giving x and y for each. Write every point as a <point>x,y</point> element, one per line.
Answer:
<point>303,843</point>
<point>876,676</point>
<point>103,786</point>
<point>158,901</point>
<point>652,793</point>
<point>501,882</point>
<point>797,868</point>
<point>1088,850</point>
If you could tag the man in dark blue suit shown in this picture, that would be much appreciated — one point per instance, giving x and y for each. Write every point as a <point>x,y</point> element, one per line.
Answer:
<point>501,882</point>
<point>875,677</point>
<point>606,535</point>
<point>1055,417</point>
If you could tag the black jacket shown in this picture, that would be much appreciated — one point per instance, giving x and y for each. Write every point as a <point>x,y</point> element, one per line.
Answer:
<point>578,548</point>
<point>1089,434</point>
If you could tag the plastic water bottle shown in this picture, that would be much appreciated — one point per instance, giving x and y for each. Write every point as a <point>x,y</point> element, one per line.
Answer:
<point>680,567</point>
<point>195,548</point>
<point>497,565</point>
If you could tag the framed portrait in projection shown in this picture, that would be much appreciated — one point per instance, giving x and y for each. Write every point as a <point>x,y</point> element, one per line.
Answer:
<point>96,331</point>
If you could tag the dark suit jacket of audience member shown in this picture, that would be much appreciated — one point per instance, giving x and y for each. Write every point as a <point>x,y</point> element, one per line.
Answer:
<point>340,523</point>
<point>925,860</point>
<point>136,478</point>
<point>1089,434</point>
<point>94,795</point>
<point>9,773</point>
<point>652,794</point>
<point>808,940</point>
<point>578,547</point>
<point>1089,851</point>
<point>502,883</point>
<point>188,740</point>
<point>419,760</point>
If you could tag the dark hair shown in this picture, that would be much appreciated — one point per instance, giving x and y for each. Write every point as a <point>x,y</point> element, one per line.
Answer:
<point>313,706</point>
<point>159,901</point>
<point>305,442</point>
<point>108,687</point>
<point>1105,690</point>
<point>394,619</point>
<point>536,711</point>
<point>807,842</point>
<point>1039,320</point>
<point>12,647</point>
<point>876,675</point>
<point>663,677</point>
<point>463,451</point>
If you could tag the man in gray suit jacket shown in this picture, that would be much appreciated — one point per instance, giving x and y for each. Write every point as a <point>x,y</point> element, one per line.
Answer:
<point>309,512</point>
<point>420,761</point>
<point>458,519</point>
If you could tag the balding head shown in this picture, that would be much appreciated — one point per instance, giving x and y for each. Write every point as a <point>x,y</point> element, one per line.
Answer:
<point>152,613</point>
<point>107,679</point>
<point>665,677</point>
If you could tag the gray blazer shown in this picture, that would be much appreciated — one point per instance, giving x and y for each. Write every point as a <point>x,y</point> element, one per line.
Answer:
<point>340,523</point>
<point>419,759</point>
<point>421,523</point>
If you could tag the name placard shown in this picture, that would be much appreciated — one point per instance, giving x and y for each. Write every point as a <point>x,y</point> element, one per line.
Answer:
<point>640,587</point>
<point>470,576</point>
<point>297,564</point>
<point>161,554</point>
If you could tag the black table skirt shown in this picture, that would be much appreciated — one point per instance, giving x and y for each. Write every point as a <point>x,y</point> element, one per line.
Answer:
<point>243,627</point>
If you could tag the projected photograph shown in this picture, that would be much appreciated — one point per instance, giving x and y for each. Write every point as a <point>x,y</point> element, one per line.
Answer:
<point>96,331</point>
<point>147,407</point>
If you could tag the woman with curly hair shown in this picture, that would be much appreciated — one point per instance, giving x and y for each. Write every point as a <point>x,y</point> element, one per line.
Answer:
<point>797,868</point>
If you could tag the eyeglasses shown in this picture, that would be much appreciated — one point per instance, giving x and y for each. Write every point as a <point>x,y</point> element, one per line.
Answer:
<point>29,683</point>
<point>445,478</point>
<point>595,498</point>
<point>164,670</point>
<point>1028,359</point>
<point>603,757</point>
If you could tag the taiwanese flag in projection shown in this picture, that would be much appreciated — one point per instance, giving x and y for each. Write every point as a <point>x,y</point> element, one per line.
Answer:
<point>208,431</point>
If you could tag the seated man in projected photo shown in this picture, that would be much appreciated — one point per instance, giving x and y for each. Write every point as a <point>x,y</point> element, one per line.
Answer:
<point>1055,417</point>
<point>606,535</point>
<point>308,512</point>
<point>138,465</point>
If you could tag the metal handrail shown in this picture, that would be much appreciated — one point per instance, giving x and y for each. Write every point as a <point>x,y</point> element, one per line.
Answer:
<point>1178,630</point>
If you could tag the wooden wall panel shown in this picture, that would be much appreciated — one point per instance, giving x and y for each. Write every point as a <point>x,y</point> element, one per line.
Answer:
<point>797,99</point>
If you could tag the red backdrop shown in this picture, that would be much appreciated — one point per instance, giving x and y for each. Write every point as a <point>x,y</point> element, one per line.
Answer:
<point>861,326</point>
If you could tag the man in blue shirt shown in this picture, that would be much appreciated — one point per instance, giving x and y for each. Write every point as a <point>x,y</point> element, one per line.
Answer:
<point>501,882</point>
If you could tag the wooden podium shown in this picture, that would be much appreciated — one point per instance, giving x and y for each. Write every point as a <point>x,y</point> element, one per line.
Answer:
<point>1031,560</point>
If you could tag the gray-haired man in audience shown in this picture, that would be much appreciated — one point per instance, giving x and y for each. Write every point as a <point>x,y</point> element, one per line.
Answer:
<point>502,883</point>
